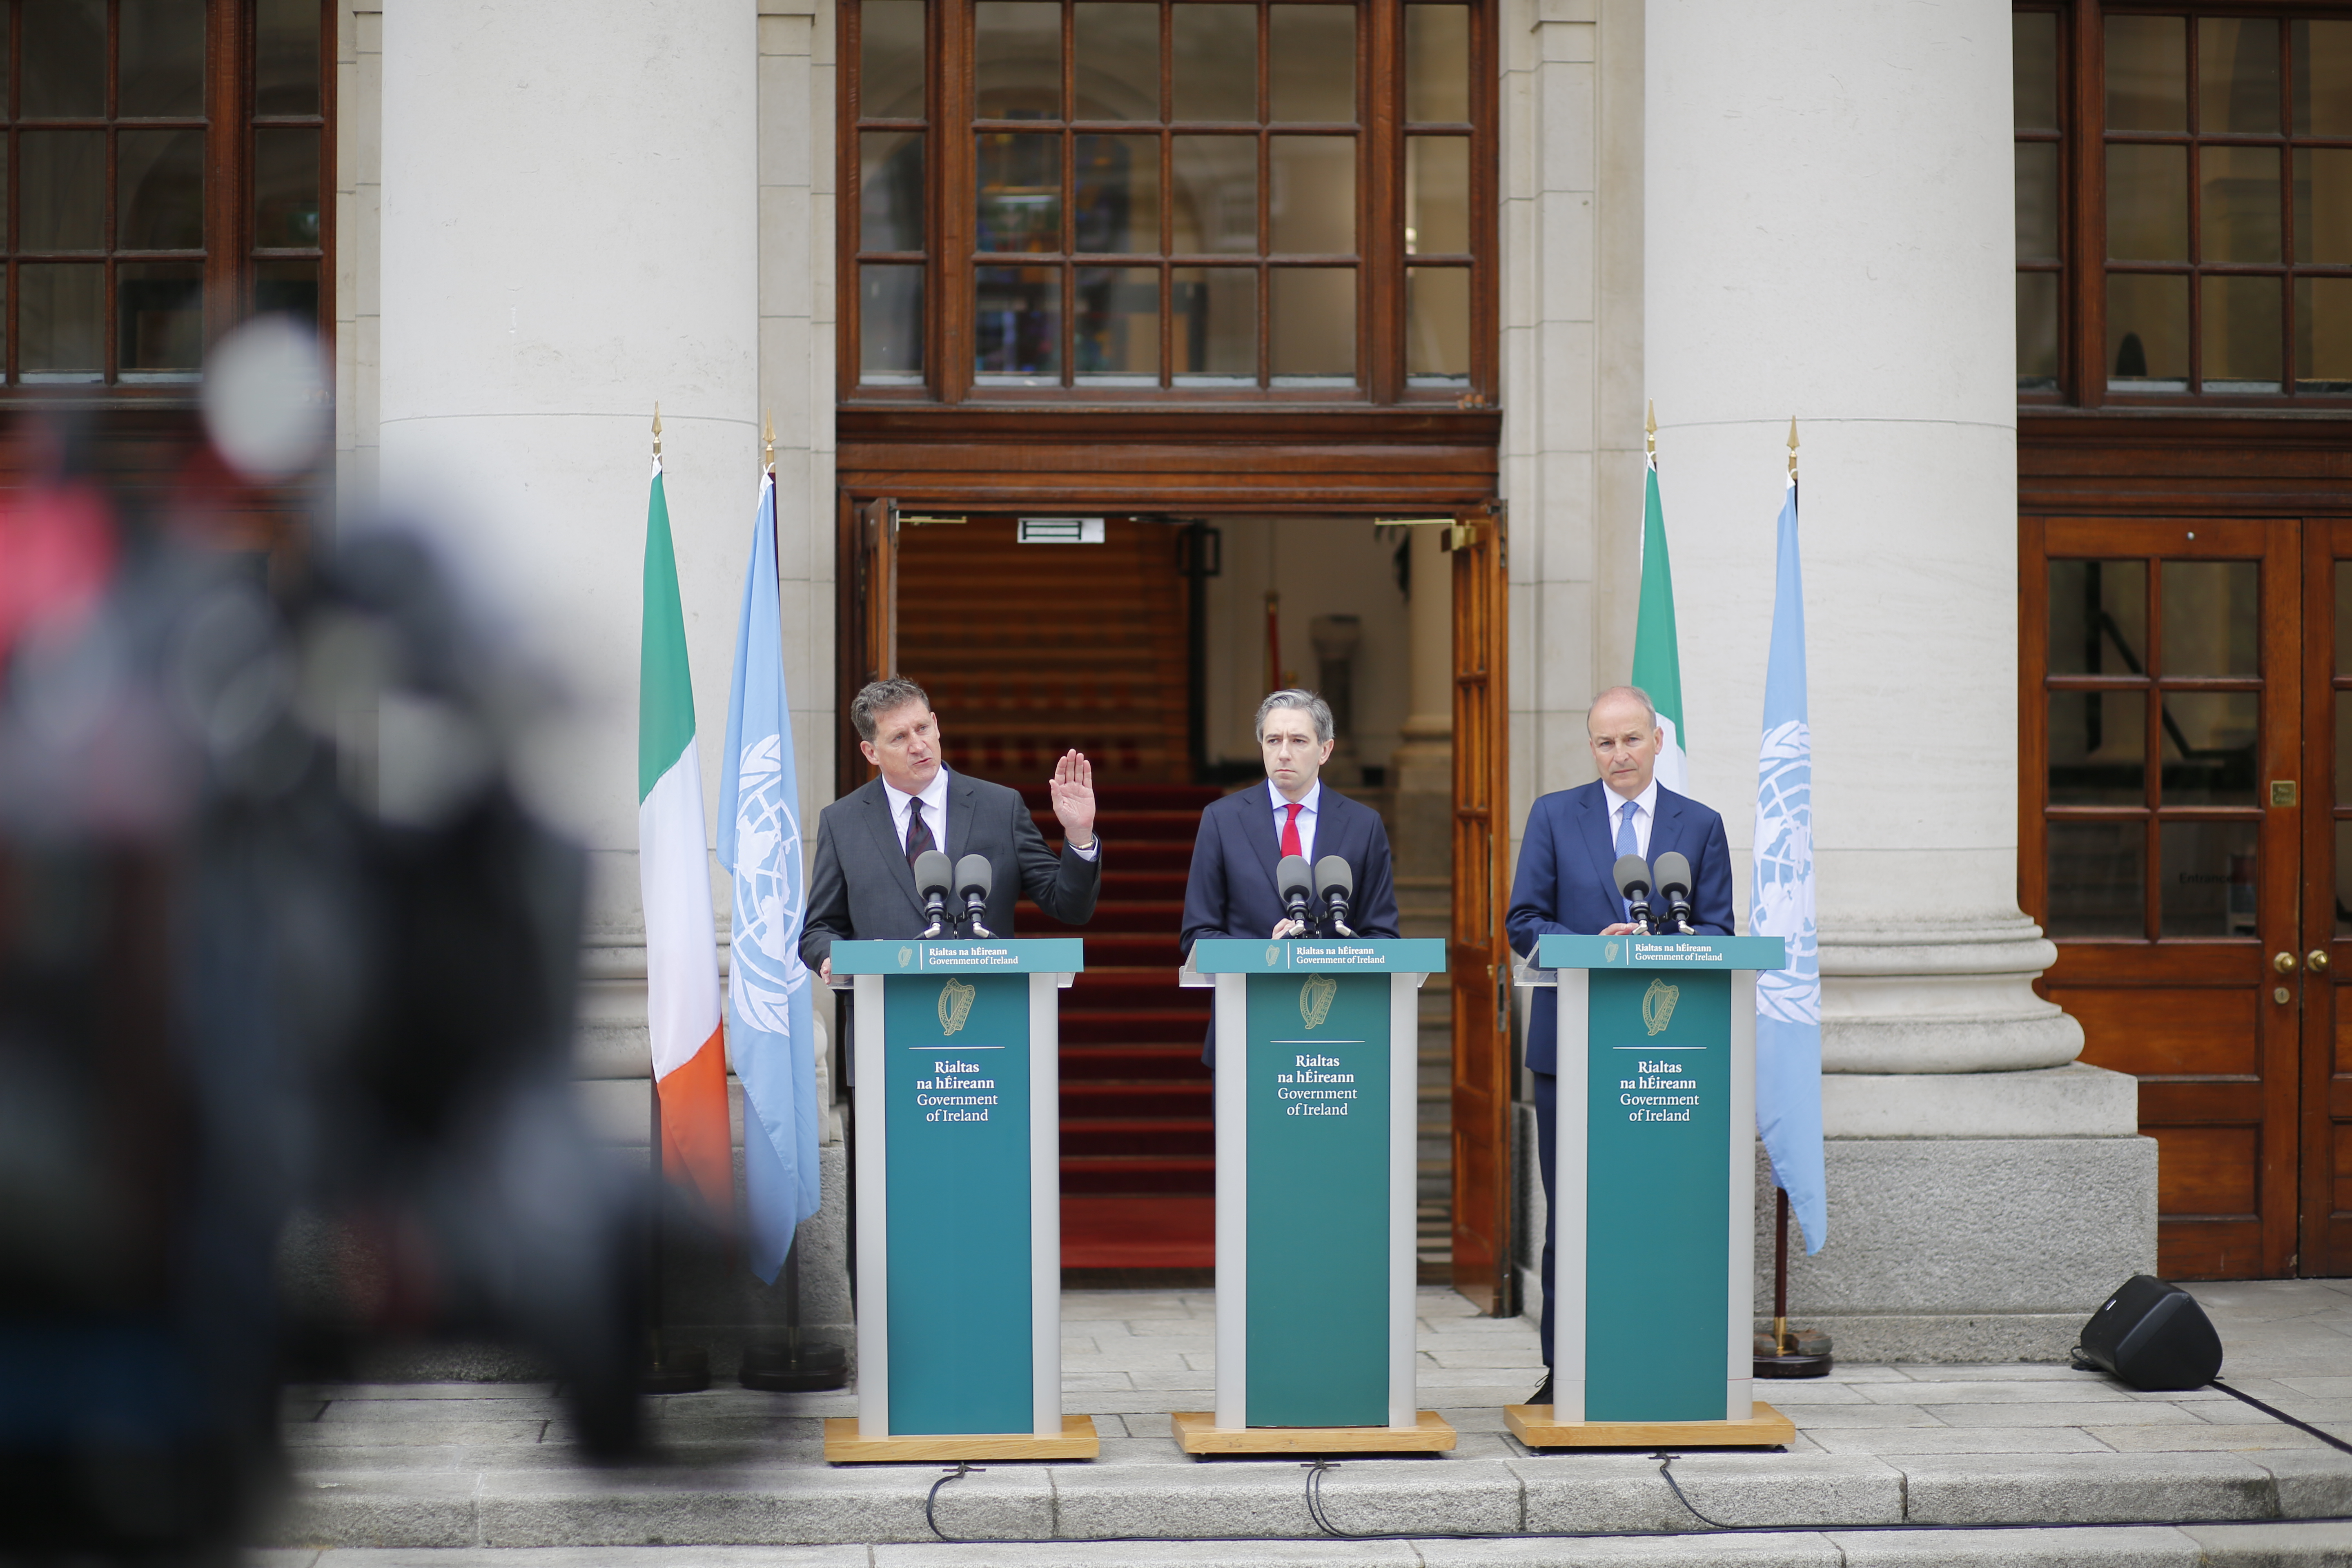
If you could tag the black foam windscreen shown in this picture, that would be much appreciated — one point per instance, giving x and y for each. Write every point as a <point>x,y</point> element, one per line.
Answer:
<point>973,875</point>
<point>1291,876</point>
<point>2154,1336</point>
<point>934,873</point>
<point>1631,872</point>
<point>1332,876</point>
<point>1674,873</point>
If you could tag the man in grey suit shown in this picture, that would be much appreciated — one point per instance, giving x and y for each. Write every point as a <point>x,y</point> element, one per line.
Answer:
<point>862,880</point>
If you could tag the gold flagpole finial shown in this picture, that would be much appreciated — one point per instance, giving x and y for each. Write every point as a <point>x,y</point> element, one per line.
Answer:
<point>1792,446</point>
<point>1650,428</point>
<point>656,427</point>
<point>768,440</point>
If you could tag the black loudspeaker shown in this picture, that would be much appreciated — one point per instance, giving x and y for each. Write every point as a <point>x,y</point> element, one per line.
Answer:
<point>2152,1336</point>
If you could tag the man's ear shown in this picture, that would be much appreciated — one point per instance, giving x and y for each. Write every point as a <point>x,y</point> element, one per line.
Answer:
<point>872,755</point>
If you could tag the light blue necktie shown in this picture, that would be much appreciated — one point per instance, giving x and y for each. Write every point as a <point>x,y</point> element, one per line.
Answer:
<point>1626,843</point>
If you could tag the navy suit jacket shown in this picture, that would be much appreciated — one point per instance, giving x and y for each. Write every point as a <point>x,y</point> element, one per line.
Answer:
<point>1232,893</point>
<point>1564,885</point>
<point>861,888</point>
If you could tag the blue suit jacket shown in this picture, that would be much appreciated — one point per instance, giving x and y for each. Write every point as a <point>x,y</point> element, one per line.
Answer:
<point>1231,891</point>
<point>1564,884</point>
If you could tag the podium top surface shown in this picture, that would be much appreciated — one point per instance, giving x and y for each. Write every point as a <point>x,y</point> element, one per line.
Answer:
<point>1378,955</point>
<point>1555,952</point>
<point>1010,956</point>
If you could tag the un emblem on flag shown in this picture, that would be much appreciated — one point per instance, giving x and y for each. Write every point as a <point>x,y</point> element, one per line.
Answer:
<point>955,1006</point>
<point>1658,1005</point>
<point>1314,1000</point>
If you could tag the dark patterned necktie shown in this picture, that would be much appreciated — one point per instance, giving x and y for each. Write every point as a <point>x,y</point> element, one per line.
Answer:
<point>918,833</point>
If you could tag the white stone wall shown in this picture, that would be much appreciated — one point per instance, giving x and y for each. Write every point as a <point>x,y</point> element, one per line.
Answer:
<point>359,246</point>
<point>1573,369</point>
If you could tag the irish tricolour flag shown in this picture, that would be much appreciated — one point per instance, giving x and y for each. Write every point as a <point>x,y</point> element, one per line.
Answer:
<point>674,878</point>
<point>1657,658</point>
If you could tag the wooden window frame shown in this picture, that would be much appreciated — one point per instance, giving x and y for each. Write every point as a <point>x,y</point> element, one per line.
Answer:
<point>230,257</point>
<point>2084,264</point>
<point>1381,259</point>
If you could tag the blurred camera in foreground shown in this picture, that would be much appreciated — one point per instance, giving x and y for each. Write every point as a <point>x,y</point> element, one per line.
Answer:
<point>256,965</point>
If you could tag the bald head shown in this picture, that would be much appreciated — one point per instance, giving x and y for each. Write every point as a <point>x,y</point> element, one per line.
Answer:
<point>1623,726</point>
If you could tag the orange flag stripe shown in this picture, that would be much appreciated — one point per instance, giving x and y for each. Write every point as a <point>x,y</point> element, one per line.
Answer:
<point>698,1147</point>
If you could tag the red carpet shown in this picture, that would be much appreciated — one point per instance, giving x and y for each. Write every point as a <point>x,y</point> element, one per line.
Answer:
<point>1174,1230</point>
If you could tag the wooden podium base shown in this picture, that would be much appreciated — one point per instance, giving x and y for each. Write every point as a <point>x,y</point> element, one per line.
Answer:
<point>1197,1433</point>
<point>1533,1425</point>
<point>843,1446</point>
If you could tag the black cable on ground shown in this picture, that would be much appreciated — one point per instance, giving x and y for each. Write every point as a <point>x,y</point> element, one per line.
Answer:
<point>2329,1438</point>
<point>1318,1512</point>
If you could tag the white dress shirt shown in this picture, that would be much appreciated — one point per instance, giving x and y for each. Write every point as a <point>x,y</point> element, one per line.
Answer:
<point>1645,813</point>
<point>934,804</point>
<point>1306,817</point>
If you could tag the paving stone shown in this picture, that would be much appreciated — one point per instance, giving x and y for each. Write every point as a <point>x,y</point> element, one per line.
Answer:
<point>1623,1491</point>
<point>1456,1353</point>
<point>2120,1413</point>
<point>427,1434</point>
<point>1155,1554</point>
<point>341,1412</point>
<point>2085,1487</point>
<point>2209,1437</point>
<point>606,1557</point>
<point>1794,1550</point>
<point>1963,1440</point>
<point>1990,1391</point>
<point>2091,1546</point>
<point>1985,1372</point>
<point>1829,1418</point>
<point>801,1506</point>
<point>2312,1484</point>
<point>416,1510</point>
<point>2273,1545</point>
<point>1377,1497</point>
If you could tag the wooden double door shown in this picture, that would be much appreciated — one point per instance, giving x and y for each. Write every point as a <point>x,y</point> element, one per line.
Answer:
<point>2186,762</point>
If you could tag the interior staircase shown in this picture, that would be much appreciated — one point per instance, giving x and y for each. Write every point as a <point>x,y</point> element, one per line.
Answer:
<point>1028,650</point>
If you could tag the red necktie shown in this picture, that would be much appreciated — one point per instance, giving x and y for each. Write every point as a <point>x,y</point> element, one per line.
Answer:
<point>1290,844</point>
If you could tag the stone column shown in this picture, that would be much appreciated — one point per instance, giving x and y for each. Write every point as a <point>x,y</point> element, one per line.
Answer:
<point>570,206</point>
<point>1828,217</point>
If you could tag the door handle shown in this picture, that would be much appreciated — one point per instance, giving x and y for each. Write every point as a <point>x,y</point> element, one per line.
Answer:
<point>2315,961</point>
<point>2283,962</point>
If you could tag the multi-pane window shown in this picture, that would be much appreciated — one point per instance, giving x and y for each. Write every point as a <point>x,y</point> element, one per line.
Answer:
<point>165,177</point>
<point>1123,197</point>
<point>2217,260</point>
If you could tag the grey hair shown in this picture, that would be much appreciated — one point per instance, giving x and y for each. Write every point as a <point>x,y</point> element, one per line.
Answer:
<point>880,697</point>
<point>1635,692</point>
<point>1292,697</point>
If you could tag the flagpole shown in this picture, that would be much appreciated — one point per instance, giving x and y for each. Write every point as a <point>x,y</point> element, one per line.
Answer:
<point>798,1365</point>
<point>1785,1360</point>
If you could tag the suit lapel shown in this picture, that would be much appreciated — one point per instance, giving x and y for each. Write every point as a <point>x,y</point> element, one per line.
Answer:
<point>1262,835</point>
<point>1598,841</point>
<point>959,809</point>
<point>1666,832</point>
<point>886,838</point>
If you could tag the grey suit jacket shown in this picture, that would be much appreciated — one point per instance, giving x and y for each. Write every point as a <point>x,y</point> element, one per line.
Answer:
<point>861,889</point>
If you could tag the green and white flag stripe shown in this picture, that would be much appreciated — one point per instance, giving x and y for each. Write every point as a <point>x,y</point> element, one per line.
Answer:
<point>673,851</point>
<point>1657,658</point>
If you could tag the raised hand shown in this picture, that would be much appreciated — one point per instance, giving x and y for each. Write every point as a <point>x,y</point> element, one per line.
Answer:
<point>1073,789</point>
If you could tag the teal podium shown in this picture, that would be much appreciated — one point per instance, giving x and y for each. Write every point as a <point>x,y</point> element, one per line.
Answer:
<point>1317,1062</point>
<point>1653,1192</point>
<point>958,1202</point>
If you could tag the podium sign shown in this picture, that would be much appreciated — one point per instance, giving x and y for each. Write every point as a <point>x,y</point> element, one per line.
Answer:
<point>1317,1062</point>
<point>1653,1195</point>
<point>959,1222</point>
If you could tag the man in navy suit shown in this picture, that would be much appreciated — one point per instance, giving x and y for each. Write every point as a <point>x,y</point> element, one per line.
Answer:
<point>1232,891</point>
<point>1564,885</point>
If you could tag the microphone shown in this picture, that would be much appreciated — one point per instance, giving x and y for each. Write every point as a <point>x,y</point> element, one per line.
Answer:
<point>933,873</point>
<point>1675,887</point>
<point>1631,875</point>
<point>974,876</point>
<point>1296,883</point>
<point>1335,886</point>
